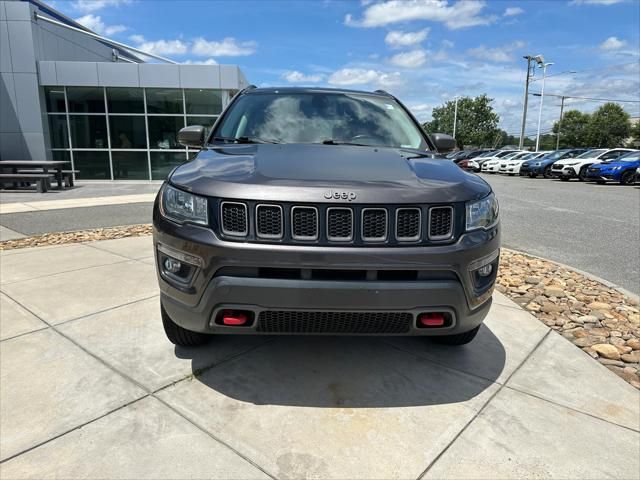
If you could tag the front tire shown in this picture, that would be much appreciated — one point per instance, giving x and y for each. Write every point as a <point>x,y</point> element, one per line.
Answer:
<point>532,175</point>
<point>547,172</point>
<point>457,339</point>
<point>181,336</point>
<point>582,175</point>
<point>628,178</point>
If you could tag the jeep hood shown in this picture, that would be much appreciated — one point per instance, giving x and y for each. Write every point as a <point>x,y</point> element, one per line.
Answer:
<point>305,173</point>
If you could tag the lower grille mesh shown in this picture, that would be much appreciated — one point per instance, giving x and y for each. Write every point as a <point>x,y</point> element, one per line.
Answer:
<point>284,321</point>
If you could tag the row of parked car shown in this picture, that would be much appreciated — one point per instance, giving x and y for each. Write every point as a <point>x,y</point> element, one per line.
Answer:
<point>601,165</point>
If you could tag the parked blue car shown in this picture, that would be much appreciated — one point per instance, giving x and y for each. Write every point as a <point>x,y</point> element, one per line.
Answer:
<point>621,170</point>
<point>542,166</point>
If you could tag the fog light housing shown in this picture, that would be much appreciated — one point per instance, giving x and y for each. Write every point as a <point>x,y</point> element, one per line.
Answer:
<point>177,268</point>
<point>486,270</point>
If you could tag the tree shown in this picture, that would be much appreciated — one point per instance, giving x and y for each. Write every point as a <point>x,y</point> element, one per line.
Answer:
<point>635,135</point>
<point>609,126</point>
<point>574,129</point>
<point>477,123</point>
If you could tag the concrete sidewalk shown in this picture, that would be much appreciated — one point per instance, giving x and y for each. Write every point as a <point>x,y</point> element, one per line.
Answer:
<point>91,388</point>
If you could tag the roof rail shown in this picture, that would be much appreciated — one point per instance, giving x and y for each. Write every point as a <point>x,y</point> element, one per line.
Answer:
<point>383,92</point>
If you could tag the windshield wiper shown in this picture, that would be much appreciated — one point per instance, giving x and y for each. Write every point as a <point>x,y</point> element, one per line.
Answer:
<point>243,140</point>
<point>330,141</point>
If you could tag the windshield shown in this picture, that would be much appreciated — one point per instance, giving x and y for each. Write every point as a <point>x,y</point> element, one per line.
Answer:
<point>511,155</point>
<point>592,153</point>
<point>629,157</point>
<point>487,154</point>
<point>503,154</point>
<point>317,117</point>
<point>531,156</point>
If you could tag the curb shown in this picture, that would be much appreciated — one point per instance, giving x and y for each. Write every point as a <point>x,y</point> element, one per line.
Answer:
<point>588,275</point>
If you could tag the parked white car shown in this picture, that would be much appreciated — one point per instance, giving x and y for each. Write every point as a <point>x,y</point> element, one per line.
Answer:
<point>512,167</point>
<point>577,167</point>
<point>492,165</point>
<point>506,161</point>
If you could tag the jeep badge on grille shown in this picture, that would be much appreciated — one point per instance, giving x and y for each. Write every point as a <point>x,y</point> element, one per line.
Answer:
<point>329,194</point>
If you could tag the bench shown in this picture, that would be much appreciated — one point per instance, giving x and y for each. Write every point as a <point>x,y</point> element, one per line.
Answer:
<point>67,175</point>
<point>41,179</point>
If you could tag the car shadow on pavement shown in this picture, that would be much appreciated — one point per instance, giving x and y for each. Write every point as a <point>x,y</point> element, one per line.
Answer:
<point>353,372</point>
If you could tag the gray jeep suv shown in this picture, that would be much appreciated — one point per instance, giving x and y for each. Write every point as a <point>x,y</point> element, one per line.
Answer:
<point>319,211</point>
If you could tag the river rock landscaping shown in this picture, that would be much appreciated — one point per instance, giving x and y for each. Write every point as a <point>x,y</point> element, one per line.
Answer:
<point>600,320</point>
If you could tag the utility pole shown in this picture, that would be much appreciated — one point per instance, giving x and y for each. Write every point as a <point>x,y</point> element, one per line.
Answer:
<point>560,122</point>
<point>526,100</point>
<point>544,78</point>
<point>455,117</point>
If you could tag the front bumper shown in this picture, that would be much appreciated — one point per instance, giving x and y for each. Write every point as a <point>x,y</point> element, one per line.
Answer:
<point>565,172</point>
<point>446,282</point>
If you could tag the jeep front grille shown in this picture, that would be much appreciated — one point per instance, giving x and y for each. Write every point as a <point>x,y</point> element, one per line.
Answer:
<point>304,223</point>
<point>234,218</point>
<point>440,223</point>
<point>327,224</point>
<point>269,222</point>
<point>285,321</point>
<point>339,224</point>
<point>408,224</point>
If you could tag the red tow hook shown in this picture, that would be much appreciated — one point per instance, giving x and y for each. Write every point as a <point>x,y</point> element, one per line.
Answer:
<point>431,319</point>
<point>232,318</point>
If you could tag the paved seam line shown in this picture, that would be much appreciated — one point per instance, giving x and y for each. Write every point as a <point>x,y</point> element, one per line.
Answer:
<point>573,409</point>
<point>68,271</point>
<point>148,393</point>
<point>25,333</point>
<point>33,447</point>
<point>445,449</point>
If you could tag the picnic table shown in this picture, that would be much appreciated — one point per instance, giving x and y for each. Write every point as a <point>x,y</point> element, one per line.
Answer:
<point>56,166</point>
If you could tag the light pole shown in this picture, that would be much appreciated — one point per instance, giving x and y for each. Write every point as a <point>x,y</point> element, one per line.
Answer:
<point>526,100</point>
<point>560,122</point>
<point>544,77</point>
<point>455,116</point>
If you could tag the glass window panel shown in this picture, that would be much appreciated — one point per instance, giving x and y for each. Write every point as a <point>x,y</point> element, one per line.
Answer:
<point>163,162</point>
<point>127,132</point>
<point>62,155</point>
<point>58,133</point>
<point>164,100</point>
<point>125,100</point>
<point>85,99</point>
<point>55,99</point>
<point>130,165</point>
<point>205,102</point>
<point>206,122</point>
<point>92,165</point>
<point>88,131</point>
<point>163,132</point>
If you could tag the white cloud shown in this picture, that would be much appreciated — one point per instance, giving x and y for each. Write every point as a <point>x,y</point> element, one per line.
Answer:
<point>299,77</point>
<point>497,54</point>
<point>361,76</point>
<point>447,44</point>
<point>412,59</point>
<point>461,14</point>
<point>512,11</point>
<point>398,38</point>
<point>88,6</point>
<point>208,61</point>
<point>612,43</point>
<point>95,23</point>
<point>228,47</point>
<point>161,47</point>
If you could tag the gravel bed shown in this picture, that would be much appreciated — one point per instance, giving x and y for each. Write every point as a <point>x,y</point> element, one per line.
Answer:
<point>599,319</point>
<point>60,238</point>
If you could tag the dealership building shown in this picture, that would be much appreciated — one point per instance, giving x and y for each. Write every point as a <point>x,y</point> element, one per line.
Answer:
<point>67,93</point>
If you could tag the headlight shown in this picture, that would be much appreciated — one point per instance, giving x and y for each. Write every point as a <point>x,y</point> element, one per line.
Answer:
<point>183,207</point>
<point>616,168</point>
<point>537,164</point>
<point>483,213</point>
<point>570,164</point>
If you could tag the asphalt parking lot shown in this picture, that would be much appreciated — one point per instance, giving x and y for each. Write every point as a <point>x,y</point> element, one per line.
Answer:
<point>91,388</point>
<point>595,228</point>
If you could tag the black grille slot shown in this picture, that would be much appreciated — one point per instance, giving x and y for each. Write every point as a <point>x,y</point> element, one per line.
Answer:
<point>269,221</point>
<point>374,224</point>
<point>304,222</point>
<point>283,321</point>
<point>339,224</point>
<point>234,218</point>
<point>408,224</point>
<point>440,223</point>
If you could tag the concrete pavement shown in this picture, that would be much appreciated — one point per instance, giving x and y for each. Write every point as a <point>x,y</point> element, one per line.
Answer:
<point>91,388</point>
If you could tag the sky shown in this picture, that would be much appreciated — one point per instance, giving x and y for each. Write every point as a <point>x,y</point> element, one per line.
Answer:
<point>425,52</point>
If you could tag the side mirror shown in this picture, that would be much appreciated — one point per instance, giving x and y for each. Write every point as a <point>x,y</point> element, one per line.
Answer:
<point>444,142</point>
<point>191,136</point>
